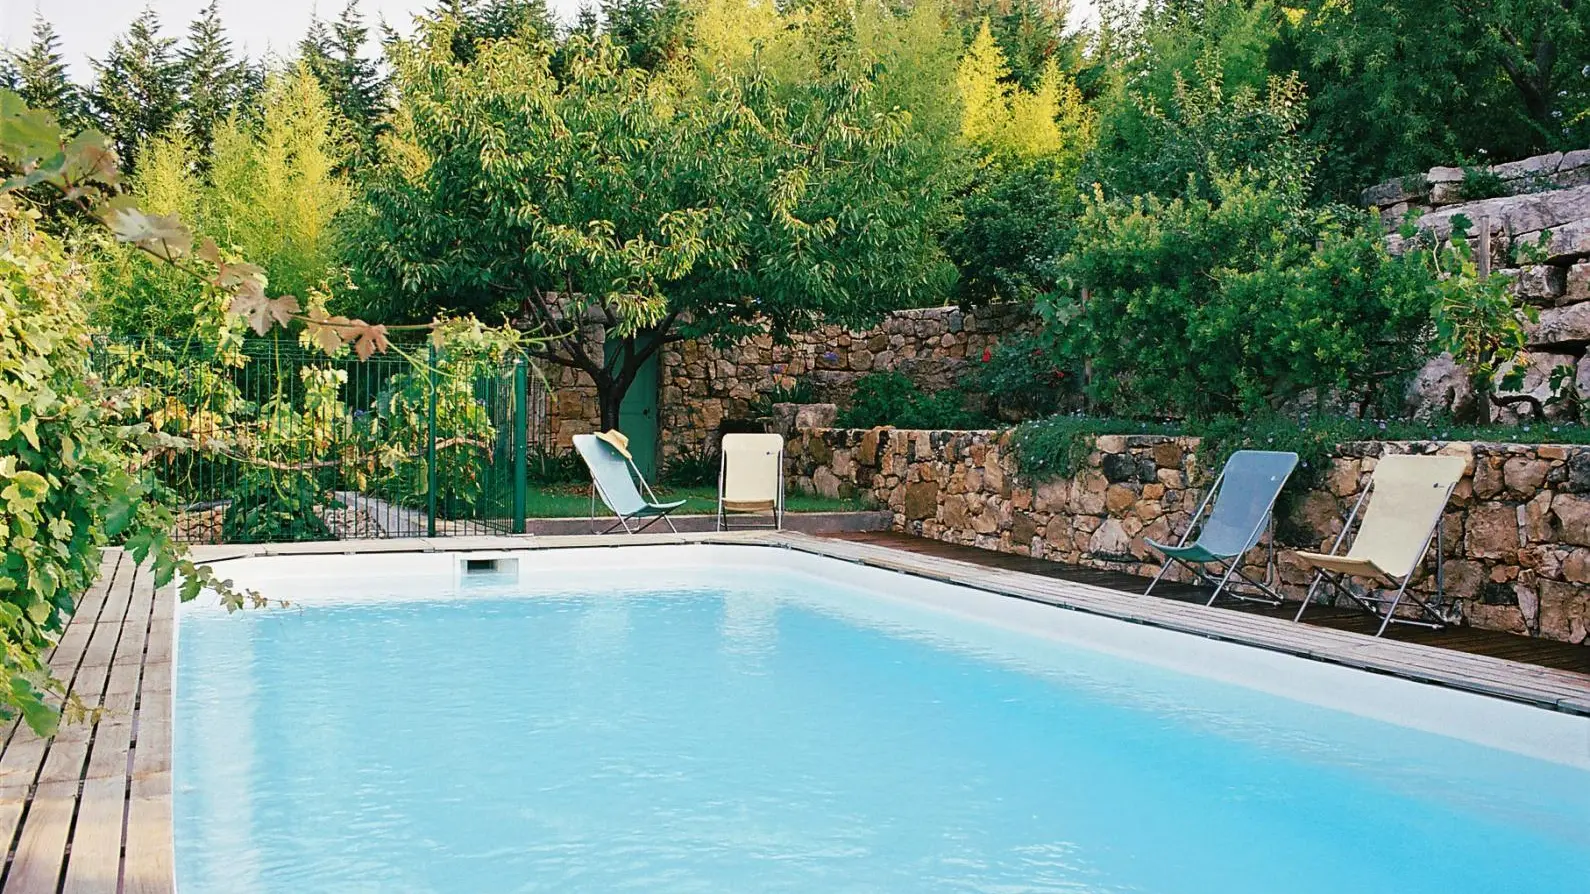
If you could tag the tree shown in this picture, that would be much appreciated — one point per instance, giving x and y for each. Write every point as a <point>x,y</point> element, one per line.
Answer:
<point>213,83</point>
<point>610,200</point>
<point>137,91</point>
<point>1399,85</point>
<point>652,32</point>
<point>1030,34</point>
<point>352,82</point>
<point>39,74</point>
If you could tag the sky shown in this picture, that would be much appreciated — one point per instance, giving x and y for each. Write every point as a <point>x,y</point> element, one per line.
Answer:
<point>257,27</point>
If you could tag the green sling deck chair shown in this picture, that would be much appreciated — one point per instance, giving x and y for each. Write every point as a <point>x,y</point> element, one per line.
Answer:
<point>613,477</point>
<point>1406,497</point>
<point>1244,496</point>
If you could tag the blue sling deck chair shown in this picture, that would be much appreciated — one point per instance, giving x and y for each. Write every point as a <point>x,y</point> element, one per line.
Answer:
<point>1244,501</point>
<point>613,477</point>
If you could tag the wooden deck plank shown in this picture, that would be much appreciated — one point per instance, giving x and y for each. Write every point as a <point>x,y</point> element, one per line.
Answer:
<point>41,849</point>
<point>148,867</point>
<point>94,864</point>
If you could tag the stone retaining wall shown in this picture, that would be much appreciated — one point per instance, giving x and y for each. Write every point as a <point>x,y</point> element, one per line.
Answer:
<point>1516,535</point>
<point>1539,237</point>
<point>704,386</point>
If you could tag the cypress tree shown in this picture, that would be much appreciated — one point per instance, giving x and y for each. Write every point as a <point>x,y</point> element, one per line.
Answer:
<point>137,93</point>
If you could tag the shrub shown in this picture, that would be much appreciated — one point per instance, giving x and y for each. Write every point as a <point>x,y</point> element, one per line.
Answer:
<point>1244,303</point>
<point>549,465</point>
<point>891,398</point>
<point>271,507</point>
<point>1021,379</point>
<point>691,468</point>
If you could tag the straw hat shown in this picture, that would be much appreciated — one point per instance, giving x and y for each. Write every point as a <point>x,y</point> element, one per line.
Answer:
<point>618,441</point>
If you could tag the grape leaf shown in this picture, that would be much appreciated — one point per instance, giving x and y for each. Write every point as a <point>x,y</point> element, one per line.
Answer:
<point>371,339</point>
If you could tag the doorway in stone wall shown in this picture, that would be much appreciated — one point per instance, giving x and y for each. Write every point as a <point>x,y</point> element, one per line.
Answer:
<point>637,415</point>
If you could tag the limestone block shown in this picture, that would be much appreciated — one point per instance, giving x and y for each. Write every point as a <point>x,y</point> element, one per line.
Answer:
<point>1541,283</point>
<point>1576,567</point>
<point>1524,475</point>
<point>1118,498</point>
<point>1568,325</point>
<point>1493,531</point>
<point>1572,518</point>
<point>1536,385</point>
<point>1441,388</point>
<point>1110,539</point>
<point>1564,611</point>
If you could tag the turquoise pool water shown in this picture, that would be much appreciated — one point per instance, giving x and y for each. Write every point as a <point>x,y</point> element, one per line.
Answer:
<point>759,739</point>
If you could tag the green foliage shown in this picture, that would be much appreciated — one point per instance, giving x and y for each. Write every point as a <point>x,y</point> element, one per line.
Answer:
<point>1031,34</point>
<point>547,464</point>
<point>1476,318</point>
<point>270,192</point>
<point>1204,308</point>
<point>214,84</point>
<point>353,85</point>
<point>137,92</point>
<point>464,429</point>
<point>1400,85</point>
<point>691,468</point>
<point>891,398</point>
<point>1167,66</point>
<point>39,76</point>
<point>70,470</point>
<point>1058,446</point>
<point>1015,218</point>
<point>275,508</point>
<point>1481,183</point>
<point>1204,131</point>
<point>1021,380</point>
<point>704,213</point>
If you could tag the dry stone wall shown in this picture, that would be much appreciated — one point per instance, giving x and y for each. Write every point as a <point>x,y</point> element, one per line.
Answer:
<point>1516,536</point>
<point>1542,222</point>
<point>705,387</point>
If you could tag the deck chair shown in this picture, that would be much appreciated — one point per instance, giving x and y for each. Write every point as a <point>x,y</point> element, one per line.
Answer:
<point>613,477</point>
<point>1405,499</point>
<point>751,478</point>
<point>1244,499</point>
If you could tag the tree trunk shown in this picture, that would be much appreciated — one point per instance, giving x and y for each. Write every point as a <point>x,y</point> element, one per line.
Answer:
<point>609,397</point>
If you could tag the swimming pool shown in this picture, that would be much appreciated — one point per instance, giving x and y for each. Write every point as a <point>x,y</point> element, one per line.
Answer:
<point>718,718</point>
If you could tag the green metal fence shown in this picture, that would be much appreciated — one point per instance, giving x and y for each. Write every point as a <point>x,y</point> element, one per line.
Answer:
<point>290,444</point>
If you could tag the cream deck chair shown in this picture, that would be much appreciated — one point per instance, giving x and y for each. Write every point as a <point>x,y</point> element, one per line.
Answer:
<point>751,479</point>
<point>1406,497</point>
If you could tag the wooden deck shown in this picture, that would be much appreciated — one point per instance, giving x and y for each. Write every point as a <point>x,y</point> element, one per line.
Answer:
<point>1543,653</point>
<point>90,810</point>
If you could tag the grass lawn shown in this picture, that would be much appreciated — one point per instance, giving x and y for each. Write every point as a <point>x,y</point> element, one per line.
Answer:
<point>574,501</point>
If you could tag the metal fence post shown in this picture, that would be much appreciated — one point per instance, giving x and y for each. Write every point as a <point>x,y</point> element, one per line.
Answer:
<point>430,447</point>
<point>521,422</point>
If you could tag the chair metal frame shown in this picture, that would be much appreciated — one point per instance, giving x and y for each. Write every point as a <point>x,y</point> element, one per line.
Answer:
<point>1430,616</point>
<point>1267,594</point>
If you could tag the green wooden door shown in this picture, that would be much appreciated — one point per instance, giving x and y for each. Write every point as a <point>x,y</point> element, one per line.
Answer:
<point>637,418</point>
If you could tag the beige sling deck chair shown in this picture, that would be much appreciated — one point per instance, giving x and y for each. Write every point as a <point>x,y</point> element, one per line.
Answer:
<point>751,479</point>
<point>1406,497</point>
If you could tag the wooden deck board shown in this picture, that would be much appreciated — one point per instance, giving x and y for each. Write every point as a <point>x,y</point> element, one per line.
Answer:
<point>67,803</point>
